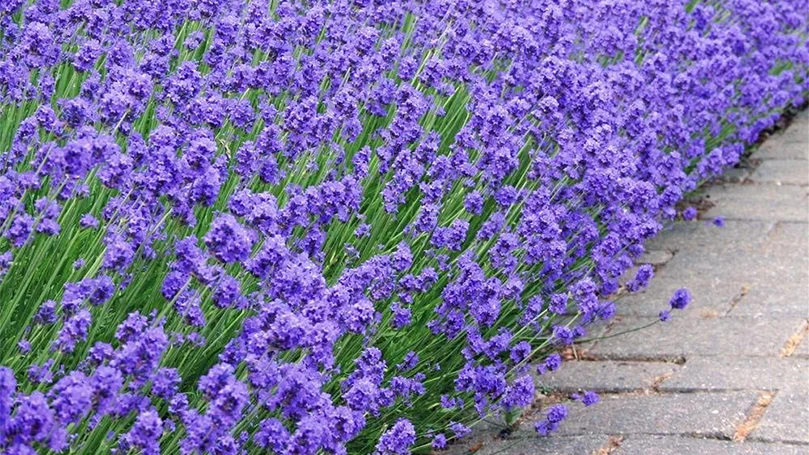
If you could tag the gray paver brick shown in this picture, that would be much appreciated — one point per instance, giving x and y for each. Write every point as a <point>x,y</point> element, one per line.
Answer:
<point>709,414</point>
<point>697,235</point>
<point>788,239</point>
<point>607,376</point>
<point>760,202</point>
<point>717,374</point>
<point>794,172</point>
<point>783,151</point>
<point>736,174</point>
<point>712,296</point>
<point>676,445</point>
<point>797,133</point>
<point>525,442</point>
<point>803,349</point>
<point>785,419</point>
<point>752,267</point>
<point>727,336</point>
<point>655,257</point>
<point>787,300</point>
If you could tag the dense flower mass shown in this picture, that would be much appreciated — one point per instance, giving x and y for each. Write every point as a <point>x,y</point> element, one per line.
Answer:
<point>349,226</point>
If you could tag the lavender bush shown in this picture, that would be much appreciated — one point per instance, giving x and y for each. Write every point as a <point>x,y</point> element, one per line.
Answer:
<point>307,227</point>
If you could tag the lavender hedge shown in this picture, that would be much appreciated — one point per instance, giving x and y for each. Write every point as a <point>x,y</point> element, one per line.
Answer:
<point>361,226</point>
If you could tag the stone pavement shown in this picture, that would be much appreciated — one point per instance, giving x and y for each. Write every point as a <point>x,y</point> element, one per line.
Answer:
<point>728,375</point>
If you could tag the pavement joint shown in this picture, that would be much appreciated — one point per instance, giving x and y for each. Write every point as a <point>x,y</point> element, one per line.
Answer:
<point>659,380</point>
<point>795,340</point>
<point>754,416</point>
<point>611,446</point>
<point>734,301</point>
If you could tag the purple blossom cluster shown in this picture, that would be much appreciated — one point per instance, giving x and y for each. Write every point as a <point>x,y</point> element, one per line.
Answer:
<point>349,226</point>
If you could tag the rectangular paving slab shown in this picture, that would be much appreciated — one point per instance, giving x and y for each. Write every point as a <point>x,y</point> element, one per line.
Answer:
<point>788,239</point>
<point>738,373</point>
<point>753,266</point>
<point>708,414</point>
<point>802,351</point>
<point>794,172</point>
<point>785,419</point>
<point>786,300</point>
<point>780,150</point>
<point>763,202</point>
<point>712,296</point>
<point>701,234</point>
<point>684,337</point>
<point>796,133</point>
<point>676,445</point>
<point>524,442</point>
<point>655,257</point>
<point>607,376</point>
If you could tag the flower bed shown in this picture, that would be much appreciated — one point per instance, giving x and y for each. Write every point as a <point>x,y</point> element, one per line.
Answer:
<point>343,227</point>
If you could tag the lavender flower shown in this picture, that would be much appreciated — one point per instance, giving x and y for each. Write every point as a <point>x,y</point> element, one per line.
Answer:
<point>228,240</point>
<point>680,299</point>
<point>397,440</point>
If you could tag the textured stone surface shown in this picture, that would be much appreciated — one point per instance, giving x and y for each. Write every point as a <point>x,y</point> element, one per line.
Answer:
<point>529,443</point>
<point>783,151</point>
<point>700,235</point>
<point>738,174</point>
<point>708,414</point>
<point>713,296</point>
<point>655,257</point>
<point>803,349</point>
<point>794,172</point>
<point>675,445</point>
<point>729,336</point>
<point>786,419</point>
<point>718,374</point>
<point>789,240</point>
<point>752,266</point>
<point>606,376</point>
<point>759,202</point>
<point>788,300</point>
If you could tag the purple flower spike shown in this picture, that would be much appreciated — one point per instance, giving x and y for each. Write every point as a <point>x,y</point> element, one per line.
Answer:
<point>680,299</point>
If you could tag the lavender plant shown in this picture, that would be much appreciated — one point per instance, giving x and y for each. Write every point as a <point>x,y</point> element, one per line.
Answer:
<point>234,226</point>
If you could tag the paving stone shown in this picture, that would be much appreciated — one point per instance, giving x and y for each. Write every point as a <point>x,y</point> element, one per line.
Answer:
<point>712,296</point>
<point>683,337</point>
<point>721,374</point>
<point>676,445</point>
<point>796,133</point>
<point>697,235</point>
<point>759,202</point>
<point>655,257</point>
<point>801,119</point>
<point>788,239</point>
<point>794,172</point>
<point>525,442</point>
<point>785,419</point>
<point>782,151</point>
<point>738,174</point>
<point>707,414</point>
<point>802,351</point>
<point>607,376</point>
<point>787,300</point>
<point>749,267</point>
